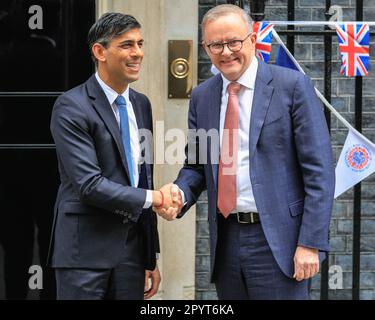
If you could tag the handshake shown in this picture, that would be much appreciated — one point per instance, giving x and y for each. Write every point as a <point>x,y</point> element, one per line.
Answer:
<point>167,201</point>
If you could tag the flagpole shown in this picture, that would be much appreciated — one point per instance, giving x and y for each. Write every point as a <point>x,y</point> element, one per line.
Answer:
<point>321,97</point>
<point>316,23</point>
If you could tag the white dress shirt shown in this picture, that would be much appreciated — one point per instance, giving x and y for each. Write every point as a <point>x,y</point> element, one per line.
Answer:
<point>133,128</point>
<point>245,196</point>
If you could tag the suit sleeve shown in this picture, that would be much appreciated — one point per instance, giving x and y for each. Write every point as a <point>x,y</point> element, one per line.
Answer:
<point>76,150</point>
<point>153,214</point>
<point>316,160</point>
<point>191,178</point>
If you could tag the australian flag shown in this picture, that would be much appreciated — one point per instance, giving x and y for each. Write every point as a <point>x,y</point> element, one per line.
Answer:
<point>264,40</point>
<point>354,39</point>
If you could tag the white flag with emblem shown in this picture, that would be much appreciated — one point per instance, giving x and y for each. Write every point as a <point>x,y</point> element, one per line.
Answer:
<point>356,162</point>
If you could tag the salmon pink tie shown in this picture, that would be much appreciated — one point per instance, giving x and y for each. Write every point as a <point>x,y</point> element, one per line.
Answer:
<point>227,178</point>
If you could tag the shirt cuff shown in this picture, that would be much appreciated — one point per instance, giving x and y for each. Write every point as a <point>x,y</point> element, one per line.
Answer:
<point>183,197</point>
<point>148,201</point>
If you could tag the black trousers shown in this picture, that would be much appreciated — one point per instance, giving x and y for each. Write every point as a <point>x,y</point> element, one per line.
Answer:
<point>123,282</point>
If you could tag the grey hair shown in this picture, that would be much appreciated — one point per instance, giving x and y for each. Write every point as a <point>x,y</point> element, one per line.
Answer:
<point>224,10</point>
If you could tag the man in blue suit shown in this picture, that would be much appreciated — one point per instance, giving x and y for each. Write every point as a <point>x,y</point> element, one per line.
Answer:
<point>270,192</point>
<point>105,240</point>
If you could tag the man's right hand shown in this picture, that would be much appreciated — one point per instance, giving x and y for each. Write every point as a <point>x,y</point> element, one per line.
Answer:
<point>167,201</point>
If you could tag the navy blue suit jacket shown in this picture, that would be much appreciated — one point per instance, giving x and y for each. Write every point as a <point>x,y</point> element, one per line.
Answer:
<point>95,204</point>
<point>291,162</point>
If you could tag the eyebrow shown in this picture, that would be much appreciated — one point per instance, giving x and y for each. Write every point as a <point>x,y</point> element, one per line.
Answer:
<point>225,41</point>
<point>130,41</point>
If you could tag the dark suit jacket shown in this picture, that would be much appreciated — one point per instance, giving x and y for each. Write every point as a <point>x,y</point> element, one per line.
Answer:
<point>95,205</point>
<point>291,163</point>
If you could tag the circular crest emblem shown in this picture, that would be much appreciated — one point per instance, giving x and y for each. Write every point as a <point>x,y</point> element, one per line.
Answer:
<point>358,157</point>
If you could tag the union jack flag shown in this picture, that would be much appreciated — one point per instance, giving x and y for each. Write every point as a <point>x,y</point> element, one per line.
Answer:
<point>354,39</point>
<point>264,40</point>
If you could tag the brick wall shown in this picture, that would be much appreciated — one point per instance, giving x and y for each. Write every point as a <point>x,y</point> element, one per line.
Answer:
<point>309,51</point>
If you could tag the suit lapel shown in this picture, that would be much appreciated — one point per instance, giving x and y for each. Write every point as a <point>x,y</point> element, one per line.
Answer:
<point>139,111</point>
<point>214,123</point>
<point>103,108</point>
<point>261,101</point>
<point>137,107</point>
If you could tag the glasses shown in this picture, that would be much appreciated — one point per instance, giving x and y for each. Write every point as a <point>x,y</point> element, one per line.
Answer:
<point>234,46</point>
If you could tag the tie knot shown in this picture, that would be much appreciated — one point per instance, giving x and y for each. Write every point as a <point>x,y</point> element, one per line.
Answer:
<point>120,101</point>
<point>234,88</point>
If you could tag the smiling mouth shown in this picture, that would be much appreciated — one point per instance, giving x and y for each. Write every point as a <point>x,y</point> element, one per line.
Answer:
<point>134,66</point>
<point>228,62</point>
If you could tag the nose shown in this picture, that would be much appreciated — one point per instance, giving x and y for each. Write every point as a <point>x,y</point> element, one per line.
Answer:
<point>137,51</point>
<point>226,51</point>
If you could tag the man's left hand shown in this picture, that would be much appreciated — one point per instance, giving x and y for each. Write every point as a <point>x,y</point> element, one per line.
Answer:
<point>306,263</point>
<point>155,281</point>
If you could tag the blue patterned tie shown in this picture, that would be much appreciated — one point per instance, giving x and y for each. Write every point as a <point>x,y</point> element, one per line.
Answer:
<point>125,134</point>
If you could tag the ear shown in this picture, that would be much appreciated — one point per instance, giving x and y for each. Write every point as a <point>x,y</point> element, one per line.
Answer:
<point>253,38</point>
<point>99,52</point>
<point>205,48</point>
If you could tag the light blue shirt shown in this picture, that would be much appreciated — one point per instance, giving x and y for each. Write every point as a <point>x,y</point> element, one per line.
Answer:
<point>133,128</point>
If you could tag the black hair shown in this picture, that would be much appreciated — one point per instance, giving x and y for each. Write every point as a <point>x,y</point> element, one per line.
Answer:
<point>109,26</point>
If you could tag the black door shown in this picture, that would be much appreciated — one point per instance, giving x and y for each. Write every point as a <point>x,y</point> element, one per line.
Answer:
<point>36,66</point>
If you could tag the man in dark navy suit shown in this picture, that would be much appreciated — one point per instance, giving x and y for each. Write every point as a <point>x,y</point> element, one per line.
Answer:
<point>105,240</point>
<point>269,173</point>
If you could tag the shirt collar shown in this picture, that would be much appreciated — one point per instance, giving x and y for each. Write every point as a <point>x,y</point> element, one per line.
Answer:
<point>247,79</point>
<point>109,92</point>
